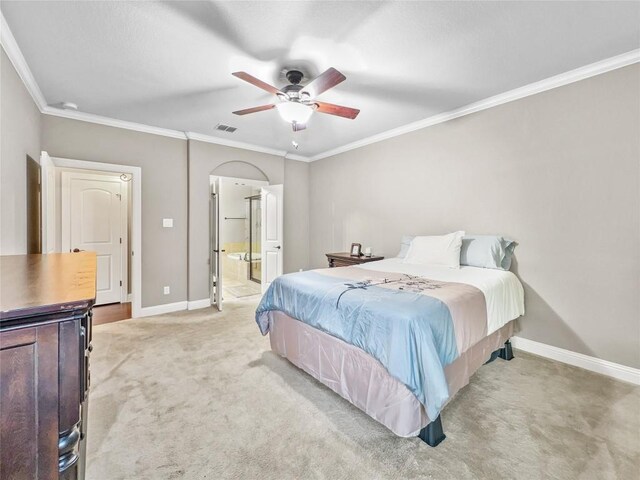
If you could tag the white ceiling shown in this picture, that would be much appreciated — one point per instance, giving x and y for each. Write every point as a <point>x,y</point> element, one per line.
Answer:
<point>169,64</point>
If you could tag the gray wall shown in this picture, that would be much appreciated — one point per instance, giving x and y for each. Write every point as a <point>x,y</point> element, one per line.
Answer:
<point>204,159</point>
<point>20,136</point>
<point>558,171</point>
<point>164,193</point>
<point>296,214</point>
<point>175,184</point>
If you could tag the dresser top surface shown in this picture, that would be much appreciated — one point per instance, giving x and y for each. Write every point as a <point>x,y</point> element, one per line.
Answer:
<point>43,284</point>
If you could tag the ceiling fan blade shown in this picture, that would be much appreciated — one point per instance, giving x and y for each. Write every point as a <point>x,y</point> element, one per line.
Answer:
<point>298,126</point>
<point>323,82</point>
<point>257,82</point>
<point>255,109</point>
<point>337,110</point>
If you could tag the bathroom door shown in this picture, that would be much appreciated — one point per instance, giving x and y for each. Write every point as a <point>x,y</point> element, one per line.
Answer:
<point>272,234</point>
<point>215,272</point>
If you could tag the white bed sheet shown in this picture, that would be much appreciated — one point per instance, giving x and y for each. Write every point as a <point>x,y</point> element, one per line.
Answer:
<point>502,290</point>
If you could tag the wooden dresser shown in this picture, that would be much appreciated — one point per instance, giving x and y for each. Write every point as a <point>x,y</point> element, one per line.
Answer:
<point>45,340</point>
<point>344,259</point>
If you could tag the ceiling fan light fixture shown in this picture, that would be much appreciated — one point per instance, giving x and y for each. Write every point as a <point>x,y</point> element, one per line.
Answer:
<point>294,112</point>
<point>296,102</point>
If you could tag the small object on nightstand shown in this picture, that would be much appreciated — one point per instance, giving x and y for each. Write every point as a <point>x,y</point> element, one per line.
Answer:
<point>345,259</point>
<point>367,252</point>
<point>356,250</point>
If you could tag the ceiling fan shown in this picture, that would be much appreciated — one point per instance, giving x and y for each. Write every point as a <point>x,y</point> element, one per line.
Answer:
<point>297,102</point>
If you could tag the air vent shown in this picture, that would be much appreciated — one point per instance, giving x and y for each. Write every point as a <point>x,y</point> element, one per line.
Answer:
<point>225,128</point>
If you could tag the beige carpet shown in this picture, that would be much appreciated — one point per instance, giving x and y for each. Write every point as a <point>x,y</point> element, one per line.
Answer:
<point>199,395</point>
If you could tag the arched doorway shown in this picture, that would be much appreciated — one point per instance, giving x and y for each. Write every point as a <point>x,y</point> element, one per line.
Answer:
<point>238,242</point>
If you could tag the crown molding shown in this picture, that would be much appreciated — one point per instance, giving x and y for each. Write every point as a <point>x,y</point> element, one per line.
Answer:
<point>234,144</point>
<point>199,137</point>
<point>139,127</point>
<point>14,53</point>
<point>556,81</point>
<point>299,158</point>
<point>17,59</point>
<point>112,122</point>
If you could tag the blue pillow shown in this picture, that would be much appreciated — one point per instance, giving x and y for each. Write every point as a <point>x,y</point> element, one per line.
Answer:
<point>487,251</point>
<point>509,247</point>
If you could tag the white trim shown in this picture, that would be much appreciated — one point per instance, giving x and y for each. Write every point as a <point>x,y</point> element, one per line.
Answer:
<point>136,220</point>
<point>139,127</point>
<point>124,241</point>
<point>160,309</point>
<point>12,49</point>
<point>246,181</point>
<point>129,297</point>
<point>17,59</point>
<point>560,80</point>
<point>48,203</point>
<point>593,364</point>
<point>299,158</point>
<point>112,122</point>
<point>235,144</point>
<point>196,304</point>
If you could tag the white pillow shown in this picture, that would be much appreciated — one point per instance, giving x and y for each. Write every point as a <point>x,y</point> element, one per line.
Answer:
<point>442,250</point>
<point>404,245</point>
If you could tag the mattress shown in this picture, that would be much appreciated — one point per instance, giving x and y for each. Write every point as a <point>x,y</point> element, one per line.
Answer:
<point>362,380</point>
<point>503,292</point>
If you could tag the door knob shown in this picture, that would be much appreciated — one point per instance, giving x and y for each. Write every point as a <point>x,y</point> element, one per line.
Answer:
<point>277,246</point>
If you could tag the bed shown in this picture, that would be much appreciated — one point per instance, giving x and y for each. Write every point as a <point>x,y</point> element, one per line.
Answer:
<point>396,340</point>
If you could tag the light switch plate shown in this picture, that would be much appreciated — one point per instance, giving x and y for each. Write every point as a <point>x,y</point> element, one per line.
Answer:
<point>167,222</point>
<point>167,290</point>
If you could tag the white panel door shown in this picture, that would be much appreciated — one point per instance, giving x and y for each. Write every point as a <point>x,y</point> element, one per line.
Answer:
<point>91,220</point>
<point>272,234</point>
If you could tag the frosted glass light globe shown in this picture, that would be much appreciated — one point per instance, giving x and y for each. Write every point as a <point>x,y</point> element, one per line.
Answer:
<point>294,112</point>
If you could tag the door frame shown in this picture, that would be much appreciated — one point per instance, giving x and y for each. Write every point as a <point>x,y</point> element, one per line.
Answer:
<point>66,176</point>
<point>214,233</point>
<point>34,205</point>
<point>136,219</point>
<point>48,194</point>
<point>215,270</point>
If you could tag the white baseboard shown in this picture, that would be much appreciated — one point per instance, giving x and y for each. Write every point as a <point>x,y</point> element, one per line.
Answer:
<point>160,309</point>
<point>196,304</point>
<point>174,307</point>
<point>615,370</point>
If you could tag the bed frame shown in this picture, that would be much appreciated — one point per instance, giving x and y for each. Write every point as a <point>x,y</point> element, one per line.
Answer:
<point>409,419</point>
<point>433,433</point>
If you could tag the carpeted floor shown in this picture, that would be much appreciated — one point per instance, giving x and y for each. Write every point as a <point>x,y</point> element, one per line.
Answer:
<point>199,395</point>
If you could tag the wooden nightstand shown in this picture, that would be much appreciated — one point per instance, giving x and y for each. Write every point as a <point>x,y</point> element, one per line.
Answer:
<point>344,259</point>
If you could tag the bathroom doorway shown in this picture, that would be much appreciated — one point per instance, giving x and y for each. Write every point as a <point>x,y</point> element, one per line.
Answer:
<point>236,238</point>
